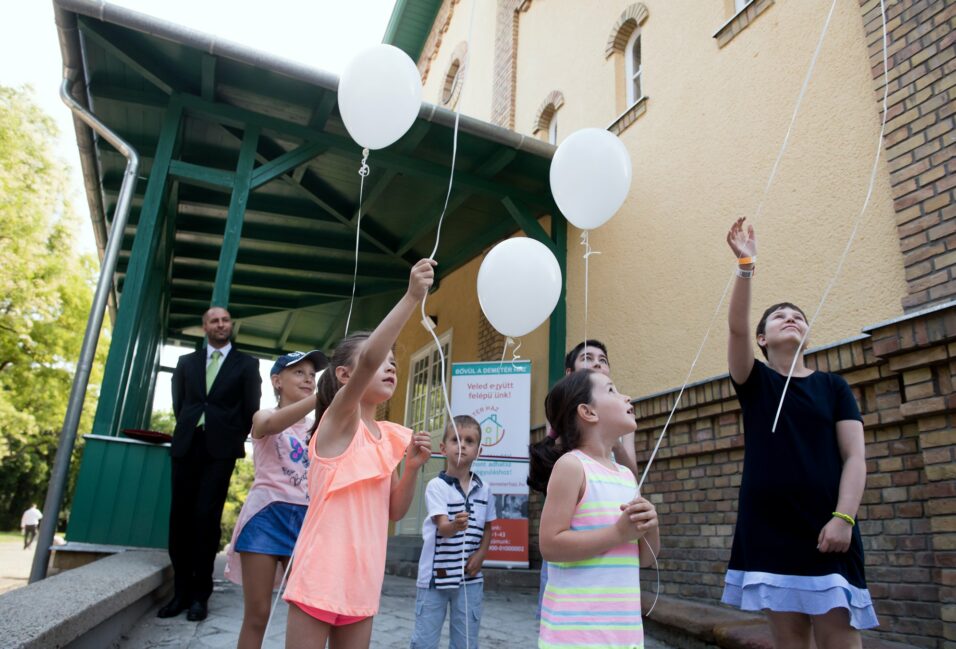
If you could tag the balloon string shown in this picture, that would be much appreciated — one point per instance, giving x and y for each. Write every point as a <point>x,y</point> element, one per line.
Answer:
<point>362,172</point>
<point>585,241</point>
<point>853,231</point>
<point>426,321</point>
<point>683,387</point>
<point>766,191</point>
<point>657,571</point>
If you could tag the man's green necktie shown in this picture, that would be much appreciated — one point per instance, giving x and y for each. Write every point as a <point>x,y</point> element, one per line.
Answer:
<point>211,370</point>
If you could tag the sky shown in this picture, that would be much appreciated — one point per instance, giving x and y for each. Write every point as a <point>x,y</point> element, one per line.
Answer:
<point>324,34</point>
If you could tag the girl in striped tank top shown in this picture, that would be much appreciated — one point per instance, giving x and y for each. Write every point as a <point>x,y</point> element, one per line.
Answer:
<point>594,531</point>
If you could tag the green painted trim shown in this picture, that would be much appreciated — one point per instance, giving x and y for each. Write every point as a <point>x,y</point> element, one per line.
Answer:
<point>114,43</point>
<point>497,162</point>
<point>558,324</point>
<point>235,116</point>
<point>392,29</point>
<point>119,359</point>
<point>208,75</point>
<point>285,162</point>
<point>529,224</point>
<point>201,174</point>
<point>490,368</point>
<point>237,212</point>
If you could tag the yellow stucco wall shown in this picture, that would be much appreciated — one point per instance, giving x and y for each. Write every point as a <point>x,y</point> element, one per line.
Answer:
<point>476,96</point>
<point>702,154</point>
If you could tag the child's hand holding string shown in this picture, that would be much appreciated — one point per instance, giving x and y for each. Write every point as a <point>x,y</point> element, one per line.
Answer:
<point>418,451</point>
<point>421,279</point>
<point>638,517</point>
<point>460,522</point>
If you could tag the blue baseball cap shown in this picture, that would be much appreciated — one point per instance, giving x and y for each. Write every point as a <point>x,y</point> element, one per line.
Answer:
<point>287,360</point>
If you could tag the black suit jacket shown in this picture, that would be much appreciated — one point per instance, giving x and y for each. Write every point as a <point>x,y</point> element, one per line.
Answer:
<point>229,406</point>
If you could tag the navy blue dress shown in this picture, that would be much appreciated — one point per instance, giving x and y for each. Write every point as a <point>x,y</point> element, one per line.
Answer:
<point>788,491</point>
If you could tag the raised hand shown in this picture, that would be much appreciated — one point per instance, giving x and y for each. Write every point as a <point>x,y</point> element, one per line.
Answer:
<point>421,279</point>
<point>418,451</point>
<point>742,242</point>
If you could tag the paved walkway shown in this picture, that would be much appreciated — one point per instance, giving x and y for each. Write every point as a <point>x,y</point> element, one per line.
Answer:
<point>508,621</point>
<point>15,563</point>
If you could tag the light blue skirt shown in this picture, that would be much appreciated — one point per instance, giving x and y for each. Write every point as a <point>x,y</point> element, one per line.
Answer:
<point>757,591</point>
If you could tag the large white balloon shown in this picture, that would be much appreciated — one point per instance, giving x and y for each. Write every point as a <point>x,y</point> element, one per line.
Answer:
<point>519,284</point>
<point>380,94</point>
<point>590,177</point>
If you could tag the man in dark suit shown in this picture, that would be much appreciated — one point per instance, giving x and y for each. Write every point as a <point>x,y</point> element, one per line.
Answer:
<point>216,391</point>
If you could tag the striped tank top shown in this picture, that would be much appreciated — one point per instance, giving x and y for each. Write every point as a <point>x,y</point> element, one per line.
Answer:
<point>596,602</point>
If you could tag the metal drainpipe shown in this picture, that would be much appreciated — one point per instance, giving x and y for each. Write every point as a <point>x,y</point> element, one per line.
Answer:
<point>74,407</point>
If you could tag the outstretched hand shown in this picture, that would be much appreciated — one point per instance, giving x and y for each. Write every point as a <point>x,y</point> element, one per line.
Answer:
<point>742,242</point>
<point>418,451</point>
<point>421,279</point>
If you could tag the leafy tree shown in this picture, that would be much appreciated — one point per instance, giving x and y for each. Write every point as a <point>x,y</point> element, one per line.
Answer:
<point>163,421</point>
<point>239,486</point>
<point>46,290</point>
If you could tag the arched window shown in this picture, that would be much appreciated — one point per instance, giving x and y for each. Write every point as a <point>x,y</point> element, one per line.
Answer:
<point>546,117</point>
<point>632,68</point>
<point>624,41</point>
<point>451,88</point>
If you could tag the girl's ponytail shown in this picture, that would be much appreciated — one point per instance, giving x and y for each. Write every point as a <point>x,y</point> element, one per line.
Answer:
<point>561,409</point>
<point>329,384</point>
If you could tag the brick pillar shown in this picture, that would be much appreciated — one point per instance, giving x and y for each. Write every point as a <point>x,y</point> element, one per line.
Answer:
<point>505,63</point>
<point>919,138</point>
<point>490,342</point>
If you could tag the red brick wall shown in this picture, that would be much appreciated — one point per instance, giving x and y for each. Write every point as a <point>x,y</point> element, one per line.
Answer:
<point>902,375</point>
<point>919,137</point>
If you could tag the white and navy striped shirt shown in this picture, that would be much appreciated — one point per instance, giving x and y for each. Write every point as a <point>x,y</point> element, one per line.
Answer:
<point>440,565</point>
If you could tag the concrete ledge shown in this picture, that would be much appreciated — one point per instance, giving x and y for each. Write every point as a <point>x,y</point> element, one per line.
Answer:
<point>90,606</point>
<point>696,625</point>
<point>72,555</point>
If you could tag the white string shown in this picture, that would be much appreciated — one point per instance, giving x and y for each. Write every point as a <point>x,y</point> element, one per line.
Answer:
<point>856,224</point>
<point>700,349</point>
<point>657,571</point>
<point>586,242</point>
<point>362,172</point>
<point>275,602</point>
<point>766,191</point>
<point>426,321</point>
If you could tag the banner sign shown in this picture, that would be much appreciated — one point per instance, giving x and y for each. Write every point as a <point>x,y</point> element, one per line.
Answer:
<point>498,396</point>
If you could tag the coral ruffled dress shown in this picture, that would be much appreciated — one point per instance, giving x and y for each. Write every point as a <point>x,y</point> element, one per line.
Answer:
<point>339,562</point>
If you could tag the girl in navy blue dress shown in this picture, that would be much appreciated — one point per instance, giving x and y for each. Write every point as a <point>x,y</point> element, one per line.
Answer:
<point>797,552</point>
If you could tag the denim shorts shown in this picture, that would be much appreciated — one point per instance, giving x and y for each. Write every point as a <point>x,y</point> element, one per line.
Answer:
<point>273,530</point>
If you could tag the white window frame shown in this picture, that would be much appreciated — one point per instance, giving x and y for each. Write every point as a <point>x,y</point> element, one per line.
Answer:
<point>553,128</point>
<point>411,523</point>
<point>632,76</point>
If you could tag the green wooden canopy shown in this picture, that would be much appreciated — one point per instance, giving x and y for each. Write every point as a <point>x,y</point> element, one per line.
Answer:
<point>248,193</point>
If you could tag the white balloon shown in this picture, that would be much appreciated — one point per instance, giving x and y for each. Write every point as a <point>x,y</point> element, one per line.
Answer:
<point>519,284</point>
<point>380,94</point>
<point>590,177</point>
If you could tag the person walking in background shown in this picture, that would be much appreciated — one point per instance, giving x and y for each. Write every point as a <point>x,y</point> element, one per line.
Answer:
<point>216,391</point>
<point>29,523</point>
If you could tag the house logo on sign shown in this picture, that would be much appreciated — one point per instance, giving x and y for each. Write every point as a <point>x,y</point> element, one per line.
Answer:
<point>492,432</point>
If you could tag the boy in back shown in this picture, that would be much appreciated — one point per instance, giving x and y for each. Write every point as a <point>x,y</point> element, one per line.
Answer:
<point>457,533</point>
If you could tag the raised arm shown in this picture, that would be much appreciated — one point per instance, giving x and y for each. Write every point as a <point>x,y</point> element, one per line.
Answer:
<point>342,415</point>
<point>272,421</point>
<point>740,351</point>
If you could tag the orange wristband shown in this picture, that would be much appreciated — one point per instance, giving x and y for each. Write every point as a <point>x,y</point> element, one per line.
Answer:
<point>743,261</point>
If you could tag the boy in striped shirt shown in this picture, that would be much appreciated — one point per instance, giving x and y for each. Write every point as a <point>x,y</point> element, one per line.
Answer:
<point>457,533</point>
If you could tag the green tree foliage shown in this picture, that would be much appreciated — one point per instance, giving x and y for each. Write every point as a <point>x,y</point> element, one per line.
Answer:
<point>239,487</point>
<point>46,290</point>
<point>163,421</point>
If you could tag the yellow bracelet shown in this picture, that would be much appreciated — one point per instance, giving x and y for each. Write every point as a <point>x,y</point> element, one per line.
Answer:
<point>845,517</point>
<point>743,261</point>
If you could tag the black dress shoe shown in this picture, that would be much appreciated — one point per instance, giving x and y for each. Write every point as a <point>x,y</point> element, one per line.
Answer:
<point>197,612</point>
<point>173,608</point>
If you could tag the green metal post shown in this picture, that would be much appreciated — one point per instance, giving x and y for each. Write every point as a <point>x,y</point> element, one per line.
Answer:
<point>558,328</point>
<point>237,212</point>
<point>130,313</point>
